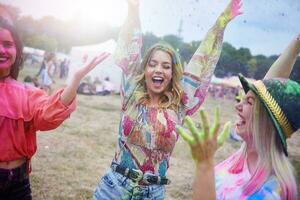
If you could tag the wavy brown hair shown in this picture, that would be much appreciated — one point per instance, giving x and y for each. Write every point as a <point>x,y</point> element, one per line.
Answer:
<point>170,98</point>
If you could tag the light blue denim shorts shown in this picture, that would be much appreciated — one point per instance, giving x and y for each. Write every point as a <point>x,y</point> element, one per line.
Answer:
<point>114,186</point>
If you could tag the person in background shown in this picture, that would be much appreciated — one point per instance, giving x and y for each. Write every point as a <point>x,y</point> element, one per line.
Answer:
<point>62,71</point>
<point>43,65</point>
<point>28,81</point>
<point>108,87</point>
<point>98,86</point>
<point>47,74</point>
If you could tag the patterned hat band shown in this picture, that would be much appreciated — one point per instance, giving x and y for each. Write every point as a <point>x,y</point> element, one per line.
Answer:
<point>271,103</point>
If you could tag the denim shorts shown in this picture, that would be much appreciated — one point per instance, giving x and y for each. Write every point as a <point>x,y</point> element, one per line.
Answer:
<point>116,186</point>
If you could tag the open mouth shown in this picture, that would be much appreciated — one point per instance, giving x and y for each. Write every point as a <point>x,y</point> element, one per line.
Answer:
<point>157,81</point>
<point>3,59</point>
<point>241,121</point>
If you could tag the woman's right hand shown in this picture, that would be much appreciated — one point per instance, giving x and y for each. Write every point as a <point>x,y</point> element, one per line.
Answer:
<point>204,143</point>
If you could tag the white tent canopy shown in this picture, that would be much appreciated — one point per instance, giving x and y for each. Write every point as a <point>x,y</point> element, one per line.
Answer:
<point>232,81</point>
<point>37,52</point>
<point>105,69</point>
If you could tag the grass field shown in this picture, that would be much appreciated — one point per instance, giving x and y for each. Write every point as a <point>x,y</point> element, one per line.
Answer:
<point>71,159</point>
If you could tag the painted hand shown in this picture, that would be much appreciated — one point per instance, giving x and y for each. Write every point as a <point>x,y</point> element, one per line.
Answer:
<point>88,66</point>
<point>204,143</point>
<point>231,11</point>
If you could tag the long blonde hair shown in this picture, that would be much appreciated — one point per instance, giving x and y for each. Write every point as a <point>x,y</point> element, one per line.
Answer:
<point>271,158</point>
<point>171,98</point>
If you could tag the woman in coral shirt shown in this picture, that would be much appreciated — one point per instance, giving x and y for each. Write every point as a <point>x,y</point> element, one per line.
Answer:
<point>25,110</point>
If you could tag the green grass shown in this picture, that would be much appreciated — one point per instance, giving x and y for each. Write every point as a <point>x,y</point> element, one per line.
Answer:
<point>71,159</point>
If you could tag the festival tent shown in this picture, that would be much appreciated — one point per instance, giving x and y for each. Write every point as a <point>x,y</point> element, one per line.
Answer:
<point>105,69</point>
<point>35,54</point>
<point>232,81</point>
<point>29,50</point>
<point>215,80</point>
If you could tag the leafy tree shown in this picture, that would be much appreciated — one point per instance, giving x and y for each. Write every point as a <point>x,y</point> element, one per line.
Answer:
<point>263,65</point>
<point>52,34</point>
<point>186,51</point>
<point>149,39</point>
<point>252,67</point>
<point>228,64</point>
<point>173,40</point>
<point>296,71</point>
<point>42,42</point>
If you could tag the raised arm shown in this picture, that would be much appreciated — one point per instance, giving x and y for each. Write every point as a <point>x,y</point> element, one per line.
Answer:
<point>283,66</point>
<point>203,144</point>
<point>69,92</point>
<point>198,73</point>
<point>207,55</point>
<point>128,52</point>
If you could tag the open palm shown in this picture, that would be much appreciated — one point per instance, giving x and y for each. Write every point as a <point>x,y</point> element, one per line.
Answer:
<point>205,142</point>
<point>88,66</point>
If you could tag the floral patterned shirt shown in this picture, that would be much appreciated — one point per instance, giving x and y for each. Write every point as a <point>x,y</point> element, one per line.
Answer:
<point>147,134</point>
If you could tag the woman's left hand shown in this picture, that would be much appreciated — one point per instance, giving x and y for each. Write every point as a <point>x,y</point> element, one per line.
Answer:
<point>133,3</point>
<point>232,10</point>
<point>70,91</point>
<point>204,143</point>
<point>88,66</point>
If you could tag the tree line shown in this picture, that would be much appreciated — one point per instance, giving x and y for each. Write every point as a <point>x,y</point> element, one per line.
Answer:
<point>52,34</point>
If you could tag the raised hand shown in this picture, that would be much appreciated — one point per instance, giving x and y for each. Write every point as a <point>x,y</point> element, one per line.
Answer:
<point>231,11</point>
<point>284,64</point>
<point>70,91</point>
<point>234,8</point>
<point>133,2</point>
<point>205,142</point>
<point>88,66</point>
<point>133,5</point>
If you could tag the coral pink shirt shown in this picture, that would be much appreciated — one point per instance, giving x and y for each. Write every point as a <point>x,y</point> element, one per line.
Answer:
<point>23,111</point>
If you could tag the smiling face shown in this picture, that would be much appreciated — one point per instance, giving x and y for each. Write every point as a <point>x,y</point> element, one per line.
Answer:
<point>8,52</point>
<point>244,110</point>
<point>158,73</point>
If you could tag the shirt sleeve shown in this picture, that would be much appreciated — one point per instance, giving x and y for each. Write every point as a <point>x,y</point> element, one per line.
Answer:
<point>48,112</point>
<point>198,73</point>
<point>128,56</point>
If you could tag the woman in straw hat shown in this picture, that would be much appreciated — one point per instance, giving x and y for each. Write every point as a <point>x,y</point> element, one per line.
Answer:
<point>268,115</point>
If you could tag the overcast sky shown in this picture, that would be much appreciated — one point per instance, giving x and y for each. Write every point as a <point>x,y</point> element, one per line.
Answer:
<point>266,27</point>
